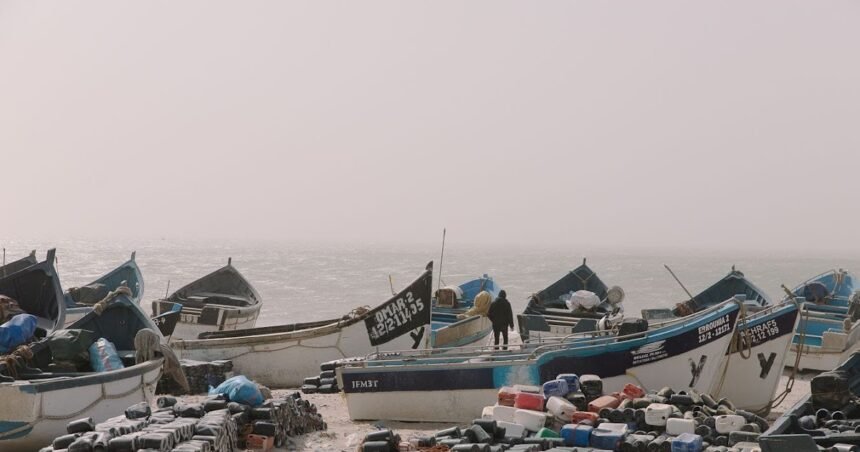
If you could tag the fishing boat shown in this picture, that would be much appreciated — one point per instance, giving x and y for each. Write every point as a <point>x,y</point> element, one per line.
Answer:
<point>20,264</point>
<point>753,366</point>
<point>282,356</point>
<point>735,283</point>
<point>550,313</point>
<point>220,301</point>
<point>37,399</point>
<point>80,300</point>
<point>455,320</point>
<point>824,419</point>
<point>36,290</point>
<point>754,362</point>
<point>828,331</point>
<point>451,387</point>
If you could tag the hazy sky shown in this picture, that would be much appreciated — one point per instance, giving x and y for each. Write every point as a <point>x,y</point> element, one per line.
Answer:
<point>671,123</point>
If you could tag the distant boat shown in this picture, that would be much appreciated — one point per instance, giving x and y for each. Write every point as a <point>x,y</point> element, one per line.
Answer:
<point>452,387</point>
<point>547,314</point>
<point>282,356</point>
<point>220,301</point>
<point>451,330</point>
<point>37,291</point>
<point>829,322</point>
<point>80,300</point>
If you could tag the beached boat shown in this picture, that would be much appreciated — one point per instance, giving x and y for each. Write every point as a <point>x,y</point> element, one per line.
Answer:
<point>453,387</point>
<point>754,363</point>
<point>80,300</point>
<point>20,264</point>
<point>824,418</point>
<point>829,329</point>
<point>36,290</point>
<point>456,321</point>
<point>37,400</point>
<point>282,356</point>
<point>220,301</point>
<point>548,314</point>
<point>735,283</point>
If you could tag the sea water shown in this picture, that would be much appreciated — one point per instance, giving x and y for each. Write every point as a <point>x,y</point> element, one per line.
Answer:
<point>301,282</point>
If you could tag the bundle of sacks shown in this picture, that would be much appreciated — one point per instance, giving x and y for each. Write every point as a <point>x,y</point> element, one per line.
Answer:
<point>235,416</point>
<point>200,375</point>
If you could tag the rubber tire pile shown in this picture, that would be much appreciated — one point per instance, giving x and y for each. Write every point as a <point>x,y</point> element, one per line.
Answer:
<point>200,376</point>
<point>215,425</point>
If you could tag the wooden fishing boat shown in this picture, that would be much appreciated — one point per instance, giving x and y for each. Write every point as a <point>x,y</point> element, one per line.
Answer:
<point>452,387</point>
<point>20,264</point>
<point>220,301</point>
<point>80,300</point>
<point>36,290</point>
<point>547,314</point>
<point>282,356</point>
<point>754,363</point>
<point>456,321</point>
<point>37,401</point>
<point>731,285</point>
<point>829,328</point>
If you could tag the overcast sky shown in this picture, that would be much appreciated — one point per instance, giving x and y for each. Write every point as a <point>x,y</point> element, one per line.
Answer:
<point>671,123</point>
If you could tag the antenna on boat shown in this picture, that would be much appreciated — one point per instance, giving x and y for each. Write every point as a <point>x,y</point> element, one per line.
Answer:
<point>679,282</point>
<point>229,261</point>
<point>167,290</point>
<point>391,283</point>
<point>441,258</point>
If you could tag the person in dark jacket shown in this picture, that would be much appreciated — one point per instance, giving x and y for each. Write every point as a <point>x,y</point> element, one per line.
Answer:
<point>502,317</point>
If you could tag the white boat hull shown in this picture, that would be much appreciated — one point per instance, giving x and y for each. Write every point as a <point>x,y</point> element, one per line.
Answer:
<point>31,416</point>
<point>750,383</point>
<point>284,360</point>
<point>447,389</point>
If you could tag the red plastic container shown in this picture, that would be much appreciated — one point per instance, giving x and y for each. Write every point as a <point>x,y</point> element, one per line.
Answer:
<point>507,396</point>
<point>602,402</point>
<point>632,391</point>
<point>579,416</point>
<point>528,401</point>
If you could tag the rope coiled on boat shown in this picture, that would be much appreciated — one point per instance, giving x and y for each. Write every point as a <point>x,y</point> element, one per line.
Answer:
<point>102,304</point>
<point>17,358</point>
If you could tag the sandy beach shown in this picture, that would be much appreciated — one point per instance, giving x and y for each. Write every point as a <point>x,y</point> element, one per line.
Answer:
<point>345,435</point>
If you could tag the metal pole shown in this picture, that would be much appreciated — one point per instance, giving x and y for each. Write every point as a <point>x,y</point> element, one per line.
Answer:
<point>441,258</point>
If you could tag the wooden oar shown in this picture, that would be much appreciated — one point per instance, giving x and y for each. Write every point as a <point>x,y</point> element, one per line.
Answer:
<point>680,283</point>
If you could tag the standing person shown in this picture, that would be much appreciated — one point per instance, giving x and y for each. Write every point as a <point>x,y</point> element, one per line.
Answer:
<point>502,317</point>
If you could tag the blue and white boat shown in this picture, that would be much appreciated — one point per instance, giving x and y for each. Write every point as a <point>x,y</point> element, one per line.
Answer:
<point>548,315</point>
<point>447,387</point>
<point>828,330</point>
<point>455,320</point>
<point>80,300</point>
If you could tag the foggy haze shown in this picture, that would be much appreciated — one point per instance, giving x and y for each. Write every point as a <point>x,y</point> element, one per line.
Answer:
<point>644,124</point>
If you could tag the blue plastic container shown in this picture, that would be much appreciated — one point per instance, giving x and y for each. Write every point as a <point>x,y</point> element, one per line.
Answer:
<point>16,331</point>
<point>687,442</point>
<point>104,357</point>
<point>572,381</point>
<point>556,388</point>
<point>609,436</point>
<point>576,435</point>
